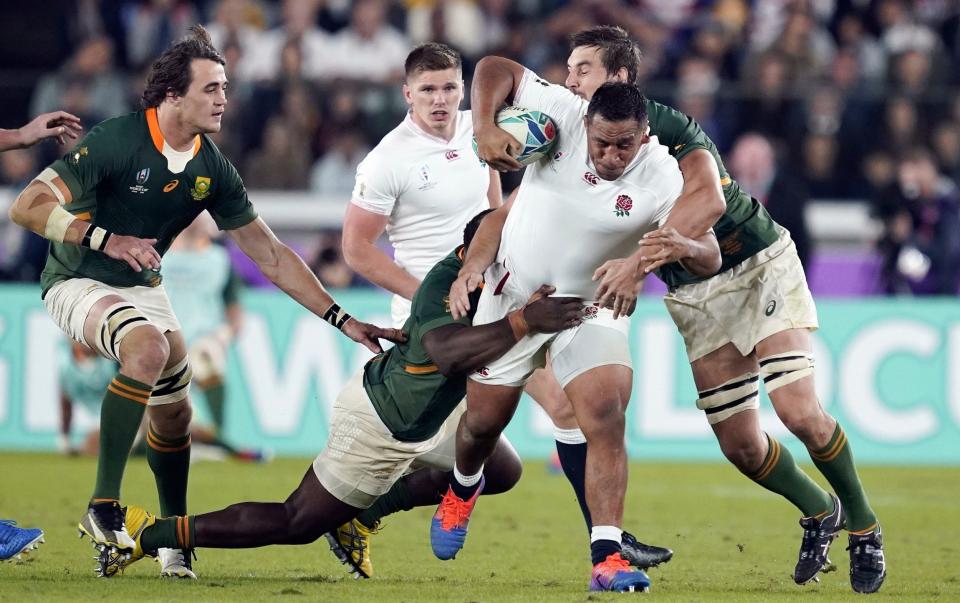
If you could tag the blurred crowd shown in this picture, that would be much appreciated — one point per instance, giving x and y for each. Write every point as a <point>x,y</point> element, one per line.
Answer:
<point>822,99</point>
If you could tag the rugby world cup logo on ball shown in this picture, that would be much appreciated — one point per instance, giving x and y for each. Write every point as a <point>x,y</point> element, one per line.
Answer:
<point>536,131</point>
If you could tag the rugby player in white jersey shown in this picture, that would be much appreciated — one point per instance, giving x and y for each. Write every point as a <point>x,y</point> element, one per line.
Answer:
<point>606,184</point>
<point>420,185</point>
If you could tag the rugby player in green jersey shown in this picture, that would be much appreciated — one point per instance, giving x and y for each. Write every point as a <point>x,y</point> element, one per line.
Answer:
<point>110,208</point>
<point>767,335</point>
<point>390,446</point>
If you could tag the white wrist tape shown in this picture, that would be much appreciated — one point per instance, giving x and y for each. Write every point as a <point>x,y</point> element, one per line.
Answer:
<point>58,222</point>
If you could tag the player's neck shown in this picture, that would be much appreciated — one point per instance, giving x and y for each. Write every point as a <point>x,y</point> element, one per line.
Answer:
<point>175,132</point>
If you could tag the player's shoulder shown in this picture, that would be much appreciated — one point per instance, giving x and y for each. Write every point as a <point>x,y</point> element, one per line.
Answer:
<point>128,131</point>
<point>390,149</point>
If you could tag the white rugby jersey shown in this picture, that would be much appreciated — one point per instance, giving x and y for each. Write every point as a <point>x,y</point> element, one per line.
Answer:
<point>428,186</point>
<point>566,221</point>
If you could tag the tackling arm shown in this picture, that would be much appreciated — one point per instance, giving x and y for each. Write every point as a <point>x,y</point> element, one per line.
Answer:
<point>701,201</point>
<point>288,271</point>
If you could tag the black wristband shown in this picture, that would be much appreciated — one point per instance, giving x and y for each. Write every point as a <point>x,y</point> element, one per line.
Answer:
<point>103,243</point>
<point>85,242</point>
<point>336,316</point>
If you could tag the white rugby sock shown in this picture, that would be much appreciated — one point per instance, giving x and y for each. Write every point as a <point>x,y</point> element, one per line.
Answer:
<point>606,533</point>
<point>569,436</point>
<point>467,481</point>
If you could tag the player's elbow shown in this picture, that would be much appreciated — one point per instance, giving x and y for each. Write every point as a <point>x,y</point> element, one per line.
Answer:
<point>18,213</point>
<point>355,252</point>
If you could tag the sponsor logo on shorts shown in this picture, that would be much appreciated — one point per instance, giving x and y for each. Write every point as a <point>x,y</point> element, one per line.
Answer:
<point>201,188</point>
<point>622,206</point>
<point>590,312</point>
<point>452,155</point>
<point>558,155</point>
<point>170,186</point>
<point>771,307</point>
<point>483,371</point>
<point>591,178</point>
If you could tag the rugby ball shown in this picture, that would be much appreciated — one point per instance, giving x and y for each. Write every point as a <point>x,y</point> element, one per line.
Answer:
<point>536,131</point>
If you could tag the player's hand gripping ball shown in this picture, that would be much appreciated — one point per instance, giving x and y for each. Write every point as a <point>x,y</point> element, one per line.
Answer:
<point>534,130</point>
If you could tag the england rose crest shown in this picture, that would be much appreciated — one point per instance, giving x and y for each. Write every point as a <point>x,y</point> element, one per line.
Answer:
<point>624,205</point>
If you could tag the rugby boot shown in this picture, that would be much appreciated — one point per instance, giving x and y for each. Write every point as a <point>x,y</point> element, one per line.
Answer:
<point>175,563</point>
<point>16,541</point>
<point>351,544</point>
<point>818,534</point>
<point>136,520</point>
<point>868,568</point>
<point>615,574</point>
<point>640,555</point>
<point>448,528</point>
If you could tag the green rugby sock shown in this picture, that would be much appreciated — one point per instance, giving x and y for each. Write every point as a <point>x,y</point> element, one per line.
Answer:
<point>169,459</point>
<point>124,403</point>
<point>779,473</point>
<point>398,498</point>
<point>835,462</point>
<point>170,533</point>
<point>215,395</point>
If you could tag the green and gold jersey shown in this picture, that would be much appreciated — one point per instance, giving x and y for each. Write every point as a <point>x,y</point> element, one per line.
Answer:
<point>124,178</point>
<point>412,397</point>
<point>745,227</point>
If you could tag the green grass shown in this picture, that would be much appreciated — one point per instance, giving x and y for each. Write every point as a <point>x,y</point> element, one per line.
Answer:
<point>733,540</point>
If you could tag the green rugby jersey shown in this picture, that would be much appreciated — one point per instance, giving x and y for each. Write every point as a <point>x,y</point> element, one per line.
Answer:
<point>412,397</point>
<point>745,227</point>
<point>120,180</point>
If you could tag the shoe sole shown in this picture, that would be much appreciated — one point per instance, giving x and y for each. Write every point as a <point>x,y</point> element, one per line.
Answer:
<point>345,558</point>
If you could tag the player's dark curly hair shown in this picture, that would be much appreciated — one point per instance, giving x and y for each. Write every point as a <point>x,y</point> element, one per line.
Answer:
<point>619,51</point>
<point>471,228</point>
<point>171,72</point>
<point>431,56</point>
<point>617,101</point>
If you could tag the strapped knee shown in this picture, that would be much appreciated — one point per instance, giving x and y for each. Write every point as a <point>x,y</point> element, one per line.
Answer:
<point>117,321</point>
<point>735,396</point>
<point>173,385</point>
<point>785,368</point>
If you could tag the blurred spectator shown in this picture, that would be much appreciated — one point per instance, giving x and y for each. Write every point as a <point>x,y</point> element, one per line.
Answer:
<point>330,175</point>
<point>753,163</point>
<point>863,47</point>
<point>237,26</point>
<point>459,23</point>
<point>902,126</point>
<point>771,104</point>
<point>946,145</point>
<point>86,85</point>
<point>900,31</point>
<point>910,73</point>
<point>281,163</point>
<point>369,49</point>
<point>300,35</point>
<point>328,263</point>
<point>820,170</point>
<point>696,95</point>
<point>921,241</point>
<point>152,24</point>
<point>806,46</point>
<point>24,253</point>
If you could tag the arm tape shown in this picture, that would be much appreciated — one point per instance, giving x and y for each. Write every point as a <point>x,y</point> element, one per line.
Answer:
<point>46,177</point>
<point>336,316</point>
<point>58,222</point>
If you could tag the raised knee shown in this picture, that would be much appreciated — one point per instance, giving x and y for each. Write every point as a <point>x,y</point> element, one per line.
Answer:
<point>746,455</point>
<point>149,351</point>
<point>600,416</point>
<point>810,424</point>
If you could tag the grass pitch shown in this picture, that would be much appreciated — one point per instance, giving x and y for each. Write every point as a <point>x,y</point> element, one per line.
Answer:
<point>733,540</point>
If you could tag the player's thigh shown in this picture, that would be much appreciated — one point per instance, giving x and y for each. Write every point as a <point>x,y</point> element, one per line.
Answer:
<point>600,396</point>
<point>545,390</point>
<point>489,406</point>
<point>721,365</point>
<point>786,366</point>
<point>727,384</point>
<point>362,459</point>
<point>593,365</point>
